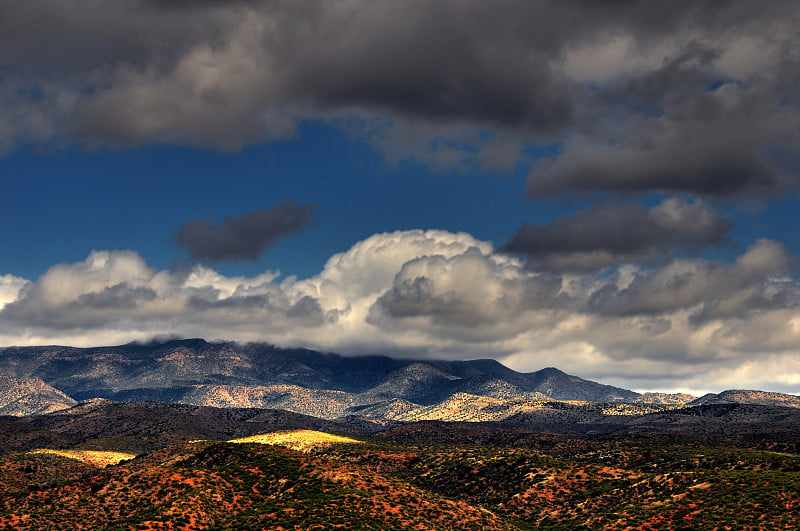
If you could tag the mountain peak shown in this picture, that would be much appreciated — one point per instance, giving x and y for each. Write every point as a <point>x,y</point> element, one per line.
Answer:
<point>550,371</point>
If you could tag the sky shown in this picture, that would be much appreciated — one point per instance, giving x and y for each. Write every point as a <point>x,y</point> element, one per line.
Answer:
<point>610,188</point>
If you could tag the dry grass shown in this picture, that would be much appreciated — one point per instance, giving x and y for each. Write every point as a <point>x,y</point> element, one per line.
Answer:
<point>92,457</point>
<point>302,440</point>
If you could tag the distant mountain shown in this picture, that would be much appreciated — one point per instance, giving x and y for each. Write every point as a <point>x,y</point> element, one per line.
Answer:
<point>561,386</point>
<point>727,425</point>
<point>30,396</point>
<point>742,396</point>
<point>325,385</point>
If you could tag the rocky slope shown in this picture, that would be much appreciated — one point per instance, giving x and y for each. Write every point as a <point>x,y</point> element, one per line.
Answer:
<point>675,399</point>
<point>30,396</point>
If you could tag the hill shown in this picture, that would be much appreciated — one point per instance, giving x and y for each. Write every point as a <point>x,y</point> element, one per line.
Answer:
<point>656,471</point>
<point>145,426</point>
<point>30,396</point>
<point>740,396</point>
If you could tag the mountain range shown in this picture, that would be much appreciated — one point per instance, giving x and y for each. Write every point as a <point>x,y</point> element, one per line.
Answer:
<point>324,385</point>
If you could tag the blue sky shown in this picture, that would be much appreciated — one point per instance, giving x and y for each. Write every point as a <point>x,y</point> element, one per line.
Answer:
<point>63,203</point>
<point>77,200</point>
<point>609,188</point>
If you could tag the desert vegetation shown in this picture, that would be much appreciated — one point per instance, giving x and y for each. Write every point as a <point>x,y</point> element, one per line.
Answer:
<point>428,475</point>
<point>99,458</point>
<point>301,440</point>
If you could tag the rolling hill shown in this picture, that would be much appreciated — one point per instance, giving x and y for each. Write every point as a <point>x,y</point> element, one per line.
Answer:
<point>170,466</point>
<point>742,396</point>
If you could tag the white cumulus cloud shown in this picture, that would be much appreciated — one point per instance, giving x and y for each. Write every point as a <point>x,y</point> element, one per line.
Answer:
<point>691,323</point>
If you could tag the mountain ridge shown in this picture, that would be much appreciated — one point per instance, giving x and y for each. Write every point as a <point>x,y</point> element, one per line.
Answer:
<point>181,370</point>
<point>326,385</point>
<point>748,396</point>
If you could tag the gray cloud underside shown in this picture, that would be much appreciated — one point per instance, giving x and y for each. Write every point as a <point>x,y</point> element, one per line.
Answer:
<point>697,97</point>
<point>245,237</point>
<point>609,233</point>
<point>447,295</point>
<point>436,289</point>
<point>722,142</point>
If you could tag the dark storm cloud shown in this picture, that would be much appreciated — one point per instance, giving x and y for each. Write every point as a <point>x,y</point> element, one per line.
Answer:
<point>242,238</point>
<point>706,146</point>
<point>284,62</point>
<point>687,126</point>
<point>230,74</point>
<point>434,62</point>
<point>610,233</point>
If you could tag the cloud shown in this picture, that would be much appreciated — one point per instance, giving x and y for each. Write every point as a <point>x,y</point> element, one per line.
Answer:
<point>471,297</point>
<point>87,293</point>
<point>637,95</point>
<point>727,142</point>
<point>691,323</point>
<point>116,291</point>
<point>229,74</point>
<point>606,234</point>
<point>756,280</point>
<point>10,288</point>
<point>242,238</point>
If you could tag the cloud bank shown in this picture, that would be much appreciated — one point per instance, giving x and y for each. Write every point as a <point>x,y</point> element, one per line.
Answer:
<point>692,97</point>
<point>688,323</point>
